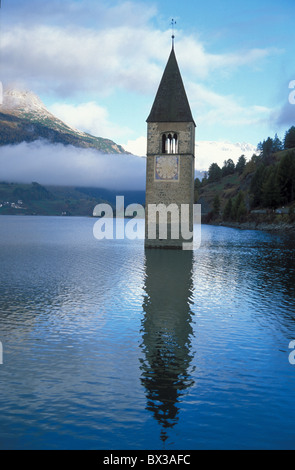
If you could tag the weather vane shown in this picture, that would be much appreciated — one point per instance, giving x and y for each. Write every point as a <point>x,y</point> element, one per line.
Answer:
<point>173,22</point>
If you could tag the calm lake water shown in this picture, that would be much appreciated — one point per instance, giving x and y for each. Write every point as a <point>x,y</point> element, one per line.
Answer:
<point>109,346</point>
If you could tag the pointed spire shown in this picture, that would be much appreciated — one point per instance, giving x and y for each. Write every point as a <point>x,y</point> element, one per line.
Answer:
<point>171,103</point>
<point>173,22</point>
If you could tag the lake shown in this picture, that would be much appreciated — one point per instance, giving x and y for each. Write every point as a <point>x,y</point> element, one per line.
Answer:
<point>106,345</point>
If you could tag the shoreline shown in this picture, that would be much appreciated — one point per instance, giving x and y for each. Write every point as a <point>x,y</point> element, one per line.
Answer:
<point>247,225</point>
<point>263,226</point>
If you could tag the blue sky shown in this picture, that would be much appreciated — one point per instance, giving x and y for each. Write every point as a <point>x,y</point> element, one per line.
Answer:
<point>97,64</point>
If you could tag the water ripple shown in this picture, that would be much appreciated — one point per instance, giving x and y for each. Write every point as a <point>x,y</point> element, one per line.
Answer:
<point>105,342</point>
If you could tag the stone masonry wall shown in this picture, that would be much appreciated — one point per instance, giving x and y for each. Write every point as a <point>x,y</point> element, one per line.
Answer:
<point>170,192</point>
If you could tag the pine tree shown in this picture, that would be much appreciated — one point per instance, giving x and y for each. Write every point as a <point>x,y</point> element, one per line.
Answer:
<point>241,211</point>
<point>277,144</point>
<point>256,184</point>
<point>286,177</point>
<point>241,163</point>
<point>266,148</point>
<point>239,207</point>
<point>215,173</point>
<point>228,167</point>
<point>228,210</point>
<point>197,186</point>
<point>216,205</point>
<point>270,188</point>
<point>289,141</point>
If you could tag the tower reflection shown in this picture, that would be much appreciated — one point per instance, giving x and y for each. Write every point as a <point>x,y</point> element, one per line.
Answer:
<point>166,333</point>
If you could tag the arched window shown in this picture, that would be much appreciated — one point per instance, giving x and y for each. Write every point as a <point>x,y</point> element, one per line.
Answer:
<point>174,144</point>
<point>164,143</point>
<point>169,143</point>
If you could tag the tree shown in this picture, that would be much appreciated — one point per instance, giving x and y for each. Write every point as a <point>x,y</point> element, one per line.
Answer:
<point>256,184</point>
<point>216,205</point>
<point>197,183</point>
<point>215,173</point>
<point>270,188</point>
<point>227,213</point>
<point>266,148</point>
<point>269,147</point>
<point>228,167</point>
<point>289,140</point>
<point>277,144</point>
<point>286,177</point>
<point>241,163</point>
<point>239,209</point>
<point>205,179</point>
<point>196,189</point>
<point>251,166</point>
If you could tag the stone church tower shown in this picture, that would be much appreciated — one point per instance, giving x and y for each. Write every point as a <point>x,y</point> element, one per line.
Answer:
<point>170,164</point>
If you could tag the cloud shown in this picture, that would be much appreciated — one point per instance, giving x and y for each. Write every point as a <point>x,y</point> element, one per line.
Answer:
<point>90,13</point>
<point>214,108</point>
<point>285,116</point>
<point>137,146</point>
<point>121,49</point>
<point>196,60</point>
<point>56,164</point>
<point>102,51</point>
<point>73,59</point>
<point>89,117</point>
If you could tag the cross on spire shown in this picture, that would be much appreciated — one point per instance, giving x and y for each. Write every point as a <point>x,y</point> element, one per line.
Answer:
<point>173,22</point>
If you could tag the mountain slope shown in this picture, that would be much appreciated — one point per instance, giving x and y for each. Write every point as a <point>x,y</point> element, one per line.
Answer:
<point>35,199</point>
<point>261,195</point>
<point>23,117</point>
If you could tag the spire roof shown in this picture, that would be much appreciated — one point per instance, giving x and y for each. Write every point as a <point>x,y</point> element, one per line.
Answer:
<point>171,103</point>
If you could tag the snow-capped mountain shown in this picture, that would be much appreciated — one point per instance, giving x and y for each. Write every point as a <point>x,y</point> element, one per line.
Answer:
<point>27,105</point>
<point>207,152</point>
<point>24,117</point>
<point>23,102</point>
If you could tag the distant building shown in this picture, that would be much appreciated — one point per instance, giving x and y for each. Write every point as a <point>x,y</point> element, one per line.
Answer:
<point>170,162</point>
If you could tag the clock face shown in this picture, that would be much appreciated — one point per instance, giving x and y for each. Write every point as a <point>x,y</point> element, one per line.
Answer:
<point>167,167</point>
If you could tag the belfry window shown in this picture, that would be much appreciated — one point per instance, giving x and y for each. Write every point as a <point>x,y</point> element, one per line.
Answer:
<point>169,143</point>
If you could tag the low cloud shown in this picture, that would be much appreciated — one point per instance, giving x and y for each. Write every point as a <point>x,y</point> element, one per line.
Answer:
<point>56,164</point>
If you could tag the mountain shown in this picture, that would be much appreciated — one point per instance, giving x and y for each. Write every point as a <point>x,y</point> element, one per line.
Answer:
<point>257,194</point>
<point>23,117</point>
<point>207,151</point>
<point>35,199</point>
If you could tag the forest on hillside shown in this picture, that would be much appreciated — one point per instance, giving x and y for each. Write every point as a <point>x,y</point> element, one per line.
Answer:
<point>263,184</point>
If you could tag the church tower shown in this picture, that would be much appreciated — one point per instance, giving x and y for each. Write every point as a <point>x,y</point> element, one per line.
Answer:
<point>170,164</point>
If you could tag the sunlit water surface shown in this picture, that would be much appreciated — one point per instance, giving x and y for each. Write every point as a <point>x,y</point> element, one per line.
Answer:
<point>108,346</point>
